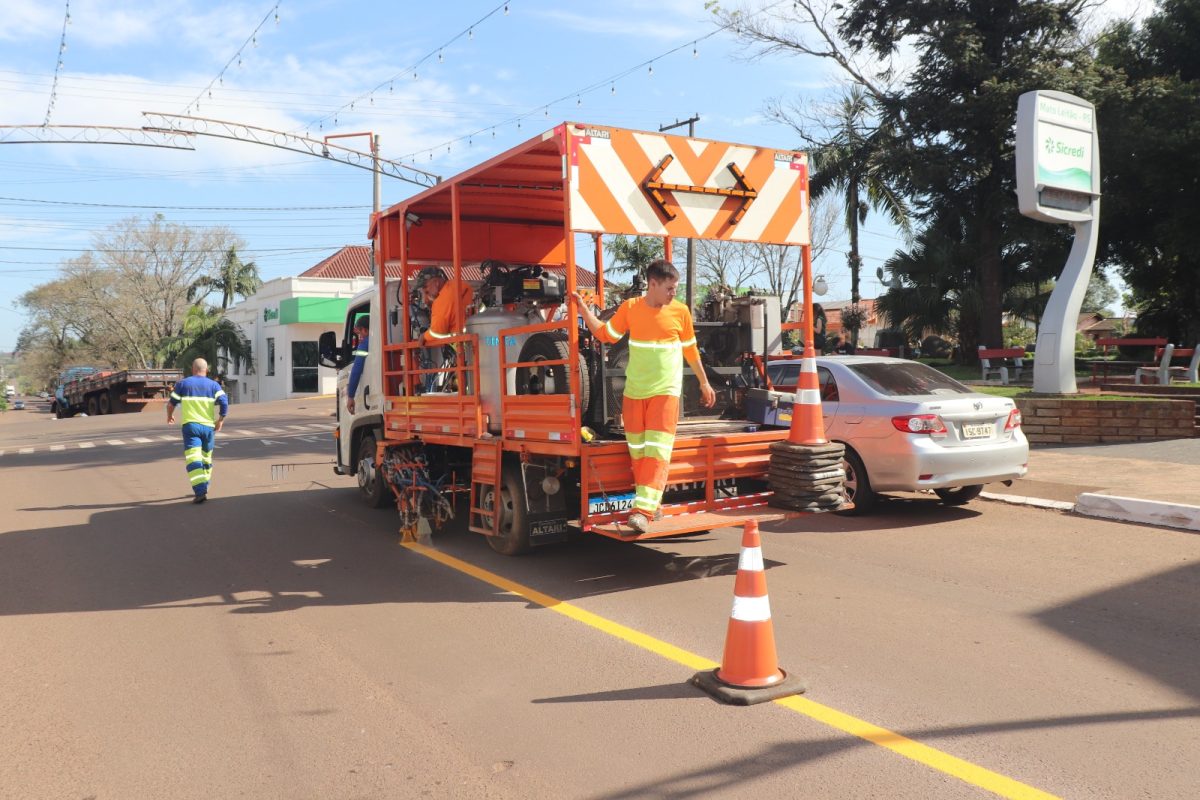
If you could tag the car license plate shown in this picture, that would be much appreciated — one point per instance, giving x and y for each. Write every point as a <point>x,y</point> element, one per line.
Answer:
<point>610,504</point>
<point>977,431</point>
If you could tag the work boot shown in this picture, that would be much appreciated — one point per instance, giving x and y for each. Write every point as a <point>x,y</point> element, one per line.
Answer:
<point>200,498</point>
<point>638,522</point>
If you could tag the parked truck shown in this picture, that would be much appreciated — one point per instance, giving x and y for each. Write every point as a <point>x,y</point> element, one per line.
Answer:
<point>95,391</point>
<point>520,413</point>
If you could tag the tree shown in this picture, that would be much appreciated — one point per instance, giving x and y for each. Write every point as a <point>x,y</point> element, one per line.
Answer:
<point>1100,294</point>
<point>117,304</point>
<point>234,278</point>
<point>1149,124</point>
<point>207,334</point>
<point>852,163</point>
<point>952,155</point>
<point>633,254</point>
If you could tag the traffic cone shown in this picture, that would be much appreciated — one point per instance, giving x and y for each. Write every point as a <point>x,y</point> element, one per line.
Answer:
<point>808,424</point>
<point>749,671</point>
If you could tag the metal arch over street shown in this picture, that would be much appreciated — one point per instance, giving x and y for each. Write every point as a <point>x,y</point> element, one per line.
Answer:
<point>95,134</point>
<point>201,126</point>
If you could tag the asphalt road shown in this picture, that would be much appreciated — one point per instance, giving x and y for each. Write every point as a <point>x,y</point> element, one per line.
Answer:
<point>279,642</point>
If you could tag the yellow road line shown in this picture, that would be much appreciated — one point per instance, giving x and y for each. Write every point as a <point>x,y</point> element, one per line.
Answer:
<point>910,749</point>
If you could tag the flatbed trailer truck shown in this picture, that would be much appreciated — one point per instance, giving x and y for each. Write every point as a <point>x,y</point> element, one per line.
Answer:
<point>95,391</point>
<point>521,411</point>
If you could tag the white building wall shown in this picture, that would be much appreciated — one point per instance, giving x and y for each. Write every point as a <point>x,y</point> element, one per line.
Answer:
<point>259,386</point>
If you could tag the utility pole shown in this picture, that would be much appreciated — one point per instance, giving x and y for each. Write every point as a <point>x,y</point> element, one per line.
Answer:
<point>373,138</point>
<point>691,246</point>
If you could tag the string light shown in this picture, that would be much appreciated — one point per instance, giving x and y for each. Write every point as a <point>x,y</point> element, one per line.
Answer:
<point>62,48</point>
<point>251,40</point>
<point>695,52</point>
<point>438,51</point>
<point>650,70</point>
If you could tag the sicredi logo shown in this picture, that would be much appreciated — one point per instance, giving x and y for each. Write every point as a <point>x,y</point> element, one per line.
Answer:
<point>270,314</point>
<point>1055,147</point>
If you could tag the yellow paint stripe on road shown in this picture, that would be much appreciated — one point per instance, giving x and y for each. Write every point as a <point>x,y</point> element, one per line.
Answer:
<point>902,745</point>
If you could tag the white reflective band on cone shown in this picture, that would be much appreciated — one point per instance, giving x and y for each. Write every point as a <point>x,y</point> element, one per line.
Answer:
<point>808,365</point>
<point>808,397</point>
<point>751,559</point>
<point>751,609</point>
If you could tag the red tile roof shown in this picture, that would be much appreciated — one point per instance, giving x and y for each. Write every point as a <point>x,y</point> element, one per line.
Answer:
<point>354,261</point>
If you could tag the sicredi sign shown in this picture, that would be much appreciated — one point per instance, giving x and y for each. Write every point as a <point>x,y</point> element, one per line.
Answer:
<point>1058,163</point>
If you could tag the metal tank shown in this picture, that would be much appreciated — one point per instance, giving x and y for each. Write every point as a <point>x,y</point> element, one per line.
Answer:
<point>487,325</point>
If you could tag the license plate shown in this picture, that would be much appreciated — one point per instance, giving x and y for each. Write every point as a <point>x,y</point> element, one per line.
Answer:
<point>610,504</point>
<point>977,431</point>
<point>547,527</point>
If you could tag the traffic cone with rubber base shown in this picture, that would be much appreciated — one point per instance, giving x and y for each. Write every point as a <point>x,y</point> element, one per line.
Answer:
<point>749,671</point>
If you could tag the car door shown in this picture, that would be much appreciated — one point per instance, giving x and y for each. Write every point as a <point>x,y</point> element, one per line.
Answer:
<point>830,400</point>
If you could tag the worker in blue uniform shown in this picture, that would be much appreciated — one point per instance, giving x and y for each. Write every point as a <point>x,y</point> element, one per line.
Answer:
<point>362,330</point>
<point>205,407</point>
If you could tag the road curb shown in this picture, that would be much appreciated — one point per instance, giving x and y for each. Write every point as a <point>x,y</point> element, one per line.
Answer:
<point>1131,509</point>
<point>1036,502</point>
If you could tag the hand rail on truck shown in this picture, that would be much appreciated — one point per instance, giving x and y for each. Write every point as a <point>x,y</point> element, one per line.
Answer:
<point>539,417</point>
<point>454,414</point>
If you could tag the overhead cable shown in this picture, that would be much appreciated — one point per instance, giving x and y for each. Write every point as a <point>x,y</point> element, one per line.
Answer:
<point>62,49</point>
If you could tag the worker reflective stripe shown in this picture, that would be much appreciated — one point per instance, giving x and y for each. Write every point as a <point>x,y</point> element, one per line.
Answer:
<point>808,397</point>
<point>358,353</point>
<point>647,493</point>
<point>751,609</point>
<point>608,327</point>
<point>751,559</point>
<point>192,454</point>
<point>675,345</point>
<point>436,335</point>
<point>175,397</point>
<point>689,343</point>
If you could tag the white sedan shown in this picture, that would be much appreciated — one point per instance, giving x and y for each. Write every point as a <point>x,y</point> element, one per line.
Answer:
<point>908,427</point>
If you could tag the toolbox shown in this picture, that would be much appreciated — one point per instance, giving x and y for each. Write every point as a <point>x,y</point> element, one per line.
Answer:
<point>768,407</point>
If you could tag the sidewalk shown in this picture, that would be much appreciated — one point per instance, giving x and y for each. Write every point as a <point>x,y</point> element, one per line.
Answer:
<point>1155,483</point>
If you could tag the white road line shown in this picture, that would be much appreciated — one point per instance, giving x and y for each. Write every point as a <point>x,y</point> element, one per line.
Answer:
<point>86,445</point>
<point>115,441</point>
<point>298,427</point>
<point>273,430</point>
<point>56,447</point>
<point>168,438</point>
<point>142,439</point>
<point>25,451</point>
<point>243,432</point>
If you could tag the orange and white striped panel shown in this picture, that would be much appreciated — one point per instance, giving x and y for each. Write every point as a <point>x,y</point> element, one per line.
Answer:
<point>608,167</point>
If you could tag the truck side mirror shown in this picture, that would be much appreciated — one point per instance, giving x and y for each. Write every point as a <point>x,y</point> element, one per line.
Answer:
<point>328,353</point>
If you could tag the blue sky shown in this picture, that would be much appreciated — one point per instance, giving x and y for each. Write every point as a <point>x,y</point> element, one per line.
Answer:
<point>498,82</point>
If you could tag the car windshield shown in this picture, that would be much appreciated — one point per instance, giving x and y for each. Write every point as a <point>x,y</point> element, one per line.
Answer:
<point>911,378</point>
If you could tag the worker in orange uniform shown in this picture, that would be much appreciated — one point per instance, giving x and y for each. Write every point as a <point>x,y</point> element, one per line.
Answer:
<point>432,283</point>
<point>661,336</point>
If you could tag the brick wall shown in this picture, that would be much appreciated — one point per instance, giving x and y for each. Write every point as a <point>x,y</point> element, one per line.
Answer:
<point>1057,421</point>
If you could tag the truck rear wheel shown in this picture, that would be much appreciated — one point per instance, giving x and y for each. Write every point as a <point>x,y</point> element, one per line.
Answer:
<point>513,538</point>
<point>105,403</point>
<point>93,406</point>
<point>375,492</point>
<point>551,379</point>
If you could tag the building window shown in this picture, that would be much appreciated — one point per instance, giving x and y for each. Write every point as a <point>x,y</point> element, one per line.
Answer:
<point>304,367</point>
<point>270,356</point>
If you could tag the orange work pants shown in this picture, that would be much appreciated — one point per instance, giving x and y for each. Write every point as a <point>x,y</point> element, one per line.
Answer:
<point>650,431</point>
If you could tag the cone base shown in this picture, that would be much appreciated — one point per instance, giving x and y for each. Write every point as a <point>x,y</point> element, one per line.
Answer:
<point>743,696</point>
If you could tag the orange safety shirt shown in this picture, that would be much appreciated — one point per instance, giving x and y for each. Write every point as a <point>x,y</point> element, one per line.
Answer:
<point>441,316</point>
<point>659,339</point>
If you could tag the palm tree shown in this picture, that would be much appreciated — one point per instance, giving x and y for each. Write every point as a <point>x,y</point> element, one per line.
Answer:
<point>235,278</point>
<point>210,335</point>
<point>852,163</point>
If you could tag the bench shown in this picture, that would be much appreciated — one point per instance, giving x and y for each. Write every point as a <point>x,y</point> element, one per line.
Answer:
<point>1100,367</point>
<point>1163,373</point>
<point>996,361</point>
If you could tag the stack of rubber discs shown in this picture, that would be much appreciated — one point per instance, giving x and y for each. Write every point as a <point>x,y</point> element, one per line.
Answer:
<point>806,477</point>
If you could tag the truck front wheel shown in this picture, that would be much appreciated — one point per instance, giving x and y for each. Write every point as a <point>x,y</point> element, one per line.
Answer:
<point>375,492</point>
<point>93,406</point>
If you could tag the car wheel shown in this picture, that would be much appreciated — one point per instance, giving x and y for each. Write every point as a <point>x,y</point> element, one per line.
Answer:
<point>959,496</point>
<point>857,486</point>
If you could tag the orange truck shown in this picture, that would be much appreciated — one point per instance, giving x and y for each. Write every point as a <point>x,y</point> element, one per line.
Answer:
<point>520,412</point>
